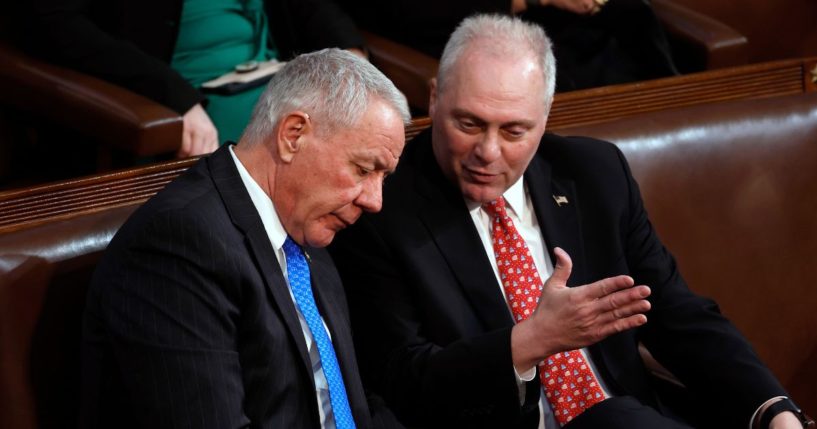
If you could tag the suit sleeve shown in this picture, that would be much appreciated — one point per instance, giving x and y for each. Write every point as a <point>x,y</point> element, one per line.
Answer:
<point>63,31</point>
<point>687,333</point>
<point>466,380</point>
<point>171,320</point>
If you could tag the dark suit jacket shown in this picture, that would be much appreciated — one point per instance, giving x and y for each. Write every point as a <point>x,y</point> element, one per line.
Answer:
<point>189,322</point>
<point>131,43</point>
<point>432,327</point>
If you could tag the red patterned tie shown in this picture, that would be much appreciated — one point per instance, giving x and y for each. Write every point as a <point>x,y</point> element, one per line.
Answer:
<point>569,383</point>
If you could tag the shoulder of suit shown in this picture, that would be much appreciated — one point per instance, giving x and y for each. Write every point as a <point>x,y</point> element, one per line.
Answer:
<point>578,147</point>
<point>576,156</point>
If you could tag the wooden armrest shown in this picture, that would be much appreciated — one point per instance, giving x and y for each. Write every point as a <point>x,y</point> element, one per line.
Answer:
<point>409,69</point>
<point>700,42</point>
<point>108,113</point>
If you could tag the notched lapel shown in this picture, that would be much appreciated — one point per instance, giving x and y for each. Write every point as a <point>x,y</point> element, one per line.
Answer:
<point>556,205</point>
<point>450,227</point>
<point>245,217</point>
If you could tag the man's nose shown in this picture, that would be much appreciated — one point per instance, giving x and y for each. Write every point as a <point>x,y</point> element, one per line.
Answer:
<point>371,196</point>
<point>488,148</point>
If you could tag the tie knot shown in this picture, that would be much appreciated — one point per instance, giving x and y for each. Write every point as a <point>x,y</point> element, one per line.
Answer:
<point>291,248</point>
<point>496,207</point>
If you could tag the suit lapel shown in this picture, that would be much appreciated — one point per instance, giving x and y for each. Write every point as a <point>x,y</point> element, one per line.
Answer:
<point>245,217</point>
<point>556,205</point>
<point>449,224</point>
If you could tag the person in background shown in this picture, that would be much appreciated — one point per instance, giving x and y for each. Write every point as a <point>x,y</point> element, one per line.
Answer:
<point>596,42</point>
<point>165,50</point>
<point>512,274</point>
<point>215,306</point>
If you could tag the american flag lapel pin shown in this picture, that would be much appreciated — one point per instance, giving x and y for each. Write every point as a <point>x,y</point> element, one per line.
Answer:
<point>560,199</point>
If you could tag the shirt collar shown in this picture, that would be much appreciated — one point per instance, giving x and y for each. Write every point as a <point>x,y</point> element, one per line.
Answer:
<point>263,204</point>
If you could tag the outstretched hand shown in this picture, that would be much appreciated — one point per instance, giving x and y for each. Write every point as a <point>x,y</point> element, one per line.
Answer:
<point>571,318</point>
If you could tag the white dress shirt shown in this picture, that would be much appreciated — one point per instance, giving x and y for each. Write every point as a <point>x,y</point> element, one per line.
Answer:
<point>277,235</point>
<point>520,210</point>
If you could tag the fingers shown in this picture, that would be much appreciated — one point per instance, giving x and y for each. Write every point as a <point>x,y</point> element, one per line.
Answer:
<point>187,141</point>
<point>607,286</point>
<point>205,143</point>
<point>624,304</point>
<point>622,325</point>
<point>562,269</point>
<point>199,135</point>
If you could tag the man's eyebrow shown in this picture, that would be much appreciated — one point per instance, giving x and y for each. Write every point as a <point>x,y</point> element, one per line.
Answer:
<point>519,123</point>
<point>464,114</point>
<point>379,161</point>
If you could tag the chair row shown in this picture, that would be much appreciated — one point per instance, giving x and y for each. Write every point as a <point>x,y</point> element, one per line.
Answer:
<point>118,119</point>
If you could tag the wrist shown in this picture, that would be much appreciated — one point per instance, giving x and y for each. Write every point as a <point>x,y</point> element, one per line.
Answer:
<point>784,420</point>
<point>784,414</point>
<point>523,348</point>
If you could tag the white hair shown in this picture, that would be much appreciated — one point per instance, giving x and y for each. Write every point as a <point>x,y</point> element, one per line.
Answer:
<point>506,36</point>
<point>331,85</point>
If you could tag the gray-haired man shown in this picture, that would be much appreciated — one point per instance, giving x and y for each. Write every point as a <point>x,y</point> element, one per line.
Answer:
<point>455,324</point>
<point>214,305</point>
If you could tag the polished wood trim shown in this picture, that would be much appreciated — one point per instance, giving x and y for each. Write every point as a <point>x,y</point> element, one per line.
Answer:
<point>619,101</point>
<point>28,207</point>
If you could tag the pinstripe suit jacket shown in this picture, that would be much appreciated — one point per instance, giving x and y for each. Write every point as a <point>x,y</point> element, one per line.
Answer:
<point>189,322</point>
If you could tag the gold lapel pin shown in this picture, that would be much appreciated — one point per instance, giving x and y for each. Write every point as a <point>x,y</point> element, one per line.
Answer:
<point>560,199</point>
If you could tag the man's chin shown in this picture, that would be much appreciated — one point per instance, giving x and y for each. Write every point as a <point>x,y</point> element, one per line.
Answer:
<point>320,238</point>
<point>480,193</point>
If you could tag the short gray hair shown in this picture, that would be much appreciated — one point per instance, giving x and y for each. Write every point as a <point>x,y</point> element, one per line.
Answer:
<point>504,35</point>
<point>331,85</point>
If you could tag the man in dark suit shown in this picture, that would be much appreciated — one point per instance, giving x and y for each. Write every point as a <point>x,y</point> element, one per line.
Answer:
<point>202,312</point>
<point>451,316</point>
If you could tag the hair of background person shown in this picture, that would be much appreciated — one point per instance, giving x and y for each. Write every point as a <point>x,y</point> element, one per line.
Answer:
<point>333,86</point>
<point>505,36</point>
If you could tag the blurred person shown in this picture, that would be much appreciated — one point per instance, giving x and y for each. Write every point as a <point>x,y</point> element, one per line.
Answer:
<point>165,50</point>
<point>596,42</point>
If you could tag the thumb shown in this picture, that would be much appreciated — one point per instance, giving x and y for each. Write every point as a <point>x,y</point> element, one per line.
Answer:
<point>561,270</point>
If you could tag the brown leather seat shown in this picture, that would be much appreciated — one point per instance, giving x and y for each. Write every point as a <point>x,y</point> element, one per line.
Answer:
<point>730,189</point>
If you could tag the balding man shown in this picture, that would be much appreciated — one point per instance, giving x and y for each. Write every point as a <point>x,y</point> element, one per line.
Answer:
<point>453,321</point>
<point>215,306</point>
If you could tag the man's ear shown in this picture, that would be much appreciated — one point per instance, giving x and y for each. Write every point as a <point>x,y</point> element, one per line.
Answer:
<point>432,96</point>
<point>291,134</point>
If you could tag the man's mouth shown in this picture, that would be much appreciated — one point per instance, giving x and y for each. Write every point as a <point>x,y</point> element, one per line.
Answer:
<point>478,176</point>
<point>343,222</point>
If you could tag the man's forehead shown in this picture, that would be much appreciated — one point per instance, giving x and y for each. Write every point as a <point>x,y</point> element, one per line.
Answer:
<point>478,70</point>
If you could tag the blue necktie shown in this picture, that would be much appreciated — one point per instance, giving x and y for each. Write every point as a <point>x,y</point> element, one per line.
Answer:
<point>301,285</point>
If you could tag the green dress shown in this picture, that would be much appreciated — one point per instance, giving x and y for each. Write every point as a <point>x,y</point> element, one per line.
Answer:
<point>215,36</point>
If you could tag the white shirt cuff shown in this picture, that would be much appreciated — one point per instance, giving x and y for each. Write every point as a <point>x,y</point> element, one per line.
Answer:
<point>521,379</point>
<point>757,411</point>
